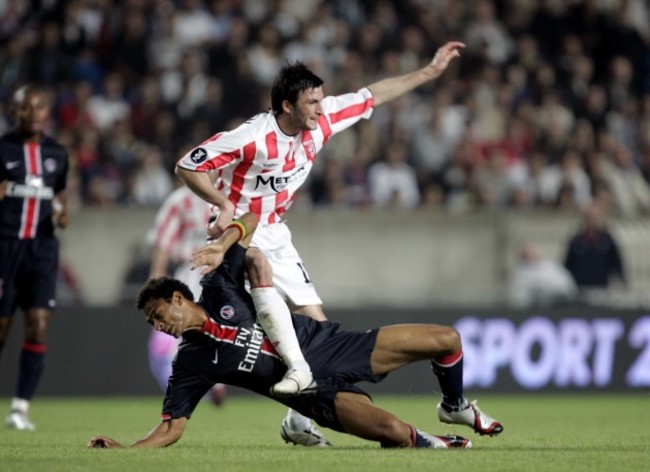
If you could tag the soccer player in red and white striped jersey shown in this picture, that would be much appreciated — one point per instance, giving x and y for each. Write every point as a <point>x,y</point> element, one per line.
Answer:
<point>261,164</point>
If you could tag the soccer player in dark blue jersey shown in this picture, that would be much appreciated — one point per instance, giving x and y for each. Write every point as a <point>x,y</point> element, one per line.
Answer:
<point>223,342</point>
<point>33,169</point>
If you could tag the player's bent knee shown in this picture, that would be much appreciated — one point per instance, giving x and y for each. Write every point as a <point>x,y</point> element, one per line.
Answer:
<point>36,325</point>
<point>450,339</point>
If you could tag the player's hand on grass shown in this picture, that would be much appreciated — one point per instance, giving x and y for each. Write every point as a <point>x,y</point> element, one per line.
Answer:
<point>103,442</point>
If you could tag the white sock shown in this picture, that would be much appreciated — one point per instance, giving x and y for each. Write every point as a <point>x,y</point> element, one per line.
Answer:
<point>297,421</point>
<point>19,404</point>
<point>274,316</point>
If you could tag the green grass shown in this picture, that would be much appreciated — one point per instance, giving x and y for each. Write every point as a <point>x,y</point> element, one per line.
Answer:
<point>542,432</point>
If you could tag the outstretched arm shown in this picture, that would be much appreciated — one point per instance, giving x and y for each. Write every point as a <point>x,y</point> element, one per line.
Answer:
<point>388,89</point>
<point>165,434</point>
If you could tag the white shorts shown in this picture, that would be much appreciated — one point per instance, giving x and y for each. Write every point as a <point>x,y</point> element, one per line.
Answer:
<point>290,277</point>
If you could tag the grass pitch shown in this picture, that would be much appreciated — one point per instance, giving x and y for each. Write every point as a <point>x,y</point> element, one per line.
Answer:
<point>542,432</point>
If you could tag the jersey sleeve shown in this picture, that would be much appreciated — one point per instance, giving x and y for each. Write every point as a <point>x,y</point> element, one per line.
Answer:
<point>343,111</point>
<point>62,179</point>
<point>184,391</point>
<point>4,175</point>
<point>220,151</point>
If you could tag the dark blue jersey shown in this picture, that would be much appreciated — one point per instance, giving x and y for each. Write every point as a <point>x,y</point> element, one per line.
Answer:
<point>35,172</point>
<point>232,348</point>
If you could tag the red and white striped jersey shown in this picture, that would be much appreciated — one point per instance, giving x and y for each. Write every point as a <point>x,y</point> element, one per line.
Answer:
<point>181,224</point>
<point>261,168</point>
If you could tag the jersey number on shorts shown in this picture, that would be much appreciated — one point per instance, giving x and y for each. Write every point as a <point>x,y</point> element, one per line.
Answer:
<point>304,272</point>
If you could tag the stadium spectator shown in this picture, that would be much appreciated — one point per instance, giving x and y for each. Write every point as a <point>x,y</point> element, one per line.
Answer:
<point>192,24</point>
<point>329,189</point>
<point>110,106</point>
<point>164,54</point>
<point>392,181</point>
<point>73,110</point>
<point>151,182</point>
<point>593,257</point>
<point>340,359</point>
<point>191,81</point>
<point>431,145</point>
<point>128,54</point>
<point>494,179</point>
<point>537,281</point>
<point>572,176</point>
<point>33,173</point>
<point>631,192</point>
<point>145,108</point>
<point>486,36</point>
<point>50,62</point>
<point>264,55</point>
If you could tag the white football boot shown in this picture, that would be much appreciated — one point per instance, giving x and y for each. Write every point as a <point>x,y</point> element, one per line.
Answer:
<point>20,421</point>
<point>449,441</point>
<point>471,416</point>
<point>308,437</point>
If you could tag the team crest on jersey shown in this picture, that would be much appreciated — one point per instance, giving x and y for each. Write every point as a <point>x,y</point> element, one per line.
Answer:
<point>310,147</point>
<point>50,165</point>
<point>227,312</point>
<point>198,155</point>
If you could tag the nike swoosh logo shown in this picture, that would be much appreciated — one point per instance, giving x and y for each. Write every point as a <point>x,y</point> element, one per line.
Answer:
<point>11,165</point>
<point>216,356</point>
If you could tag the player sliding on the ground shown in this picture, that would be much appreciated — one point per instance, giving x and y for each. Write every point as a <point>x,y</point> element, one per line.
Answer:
<point>223,342</point>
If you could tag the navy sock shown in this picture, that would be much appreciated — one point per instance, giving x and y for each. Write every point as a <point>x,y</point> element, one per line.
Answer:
<point>449,370</point>
<point>32,363</point>
<point>417,439</point>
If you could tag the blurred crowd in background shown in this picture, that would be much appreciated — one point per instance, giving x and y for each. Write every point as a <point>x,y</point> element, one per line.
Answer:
<point>548,107</point>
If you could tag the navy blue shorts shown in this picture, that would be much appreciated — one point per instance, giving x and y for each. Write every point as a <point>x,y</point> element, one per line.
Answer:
<point>28,272</point>
<point>348,354</point>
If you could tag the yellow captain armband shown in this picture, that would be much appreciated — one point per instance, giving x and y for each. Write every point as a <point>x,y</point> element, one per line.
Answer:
<point>241,226</point>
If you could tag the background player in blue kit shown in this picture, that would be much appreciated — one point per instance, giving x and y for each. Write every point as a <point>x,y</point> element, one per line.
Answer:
<point>223,342</point>
<point>33,169</point>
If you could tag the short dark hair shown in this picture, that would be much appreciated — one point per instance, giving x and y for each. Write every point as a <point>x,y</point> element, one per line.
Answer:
<point>290,81</point>
<point>161,288</point>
